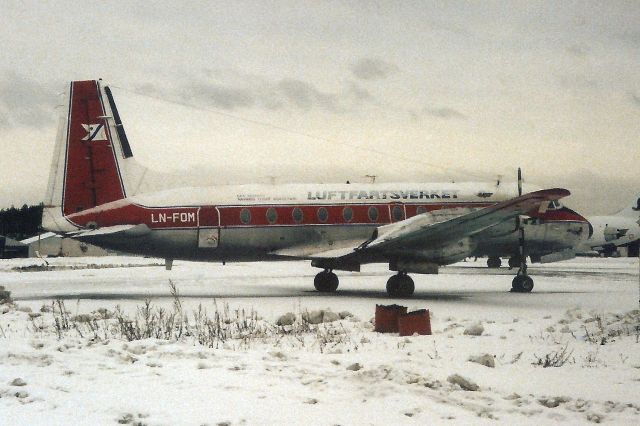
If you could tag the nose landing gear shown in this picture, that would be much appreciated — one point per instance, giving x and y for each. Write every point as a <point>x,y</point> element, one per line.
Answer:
<point>522,284</point>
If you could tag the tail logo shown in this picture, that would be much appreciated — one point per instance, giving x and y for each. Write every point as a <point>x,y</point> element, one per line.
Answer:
<point>95,132</point>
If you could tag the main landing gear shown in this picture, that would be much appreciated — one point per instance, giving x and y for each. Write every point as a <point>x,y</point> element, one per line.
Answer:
<point>326,281</point>
<point>494,262</point>
<point>515,261</point>
<point>400,285</point>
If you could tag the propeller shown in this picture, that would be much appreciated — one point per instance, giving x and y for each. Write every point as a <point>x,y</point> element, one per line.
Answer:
<point>519,181</point>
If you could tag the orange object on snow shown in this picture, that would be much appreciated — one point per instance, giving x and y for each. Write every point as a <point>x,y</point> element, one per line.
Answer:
<point>387,318</point>
<point>414,322</point>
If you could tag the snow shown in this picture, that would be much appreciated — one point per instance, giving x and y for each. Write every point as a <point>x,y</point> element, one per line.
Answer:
<point>583,312</point>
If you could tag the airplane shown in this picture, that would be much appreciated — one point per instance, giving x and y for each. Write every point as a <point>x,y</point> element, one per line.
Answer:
<point>94,195</point>
<point>613,231</point>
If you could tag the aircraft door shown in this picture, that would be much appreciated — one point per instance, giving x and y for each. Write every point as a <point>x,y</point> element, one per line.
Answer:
<point>208,227</point>
<point>397,212</point>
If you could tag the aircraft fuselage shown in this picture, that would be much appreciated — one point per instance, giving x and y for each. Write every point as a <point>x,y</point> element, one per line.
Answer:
<point>253,222</point>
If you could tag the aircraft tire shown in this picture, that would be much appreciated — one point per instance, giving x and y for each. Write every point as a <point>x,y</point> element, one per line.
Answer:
<point>514,262</point>
<point>400,285</point>
<point>326,282</point>
<point>494,262</point>
<point>407,286</point>
<point>522,284</point>
<point>393,286</point>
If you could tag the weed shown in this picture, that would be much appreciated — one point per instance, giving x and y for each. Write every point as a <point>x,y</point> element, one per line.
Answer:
<point>554,359</point>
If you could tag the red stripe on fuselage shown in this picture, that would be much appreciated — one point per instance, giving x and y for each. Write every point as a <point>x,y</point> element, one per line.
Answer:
<point>230,216</point>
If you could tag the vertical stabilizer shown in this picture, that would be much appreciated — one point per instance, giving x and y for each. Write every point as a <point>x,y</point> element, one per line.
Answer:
<point>632,211</point>
<point>92,156</point>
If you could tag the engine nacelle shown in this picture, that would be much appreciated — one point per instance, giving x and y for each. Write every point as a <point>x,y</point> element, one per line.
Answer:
<point>429,260</point>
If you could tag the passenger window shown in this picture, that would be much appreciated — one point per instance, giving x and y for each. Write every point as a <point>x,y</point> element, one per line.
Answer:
<point>323,215</point>
<point>245,216</point>
<point>347,214</point>
<point>272,215</point>
<point>373,214</point>
<point>296,214</point>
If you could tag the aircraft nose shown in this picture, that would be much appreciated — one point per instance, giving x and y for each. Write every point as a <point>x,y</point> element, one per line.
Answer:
<point>573,215</point>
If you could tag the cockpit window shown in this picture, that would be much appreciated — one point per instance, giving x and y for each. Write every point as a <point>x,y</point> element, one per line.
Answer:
<point>554,205</point>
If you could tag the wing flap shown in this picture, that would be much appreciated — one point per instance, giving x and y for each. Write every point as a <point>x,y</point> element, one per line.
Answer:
<point>322,250</point>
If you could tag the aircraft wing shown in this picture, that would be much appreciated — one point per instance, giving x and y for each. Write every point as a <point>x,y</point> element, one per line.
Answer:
<point>431,230</point>
<point>322,250</point>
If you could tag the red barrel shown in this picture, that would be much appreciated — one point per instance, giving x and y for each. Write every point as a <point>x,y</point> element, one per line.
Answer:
<point>414,322</point>
<point>387,318</point>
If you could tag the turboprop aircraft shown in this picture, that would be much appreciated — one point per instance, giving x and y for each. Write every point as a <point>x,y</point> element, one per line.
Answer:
<point>94,195</point>
<point>613,231</point>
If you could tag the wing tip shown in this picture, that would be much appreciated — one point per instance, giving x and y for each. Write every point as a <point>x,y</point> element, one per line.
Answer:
<point>553,193</point>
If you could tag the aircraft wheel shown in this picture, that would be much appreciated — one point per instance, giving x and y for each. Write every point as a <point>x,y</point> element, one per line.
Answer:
<point>522,284</point>
<point>393,286</point>
<point>407,287</point>
<point>514,262</point>
<point>400,285</point>
<point>326,282</point>
<point>494,262</point>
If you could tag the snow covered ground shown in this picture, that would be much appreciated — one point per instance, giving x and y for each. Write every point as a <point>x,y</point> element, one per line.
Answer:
<point>581,317</point>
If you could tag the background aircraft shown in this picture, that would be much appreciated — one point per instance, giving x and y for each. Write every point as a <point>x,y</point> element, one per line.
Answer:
<point>611,232</point>
<point>95,195</point>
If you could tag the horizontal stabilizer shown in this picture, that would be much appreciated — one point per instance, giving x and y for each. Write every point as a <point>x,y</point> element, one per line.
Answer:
<point>124,230</point>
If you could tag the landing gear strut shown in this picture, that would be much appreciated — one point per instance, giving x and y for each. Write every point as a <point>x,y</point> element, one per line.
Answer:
<point>494,262</point>
<point>326,281</point>
<point>522,283</point>
<point>400,285</point>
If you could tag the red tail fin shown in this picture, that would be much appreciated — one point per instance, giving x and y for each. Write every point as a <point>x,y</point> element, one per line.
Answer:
<point>91,173</point>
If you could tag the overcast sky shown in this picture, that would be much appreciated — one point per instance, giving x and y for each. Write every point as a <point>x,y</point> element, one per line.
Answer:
<point>328,91</point>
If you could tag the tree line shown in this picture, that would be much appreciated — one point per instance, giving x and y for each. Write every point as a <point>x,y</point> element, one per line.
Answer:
<point>21,223</point>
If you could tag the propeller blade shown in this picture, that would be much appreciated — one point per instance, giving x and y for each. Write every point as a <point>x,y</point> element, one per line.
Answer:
<point>519,182</point>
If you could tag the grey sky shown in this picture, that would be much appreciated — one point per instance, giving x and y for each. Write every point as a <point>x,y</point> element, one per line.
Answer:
<point>322,90</point>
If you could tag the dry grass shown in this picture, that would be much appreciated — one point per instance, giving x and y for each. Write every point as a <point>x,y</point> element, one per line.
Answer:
<point>219,327</point>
